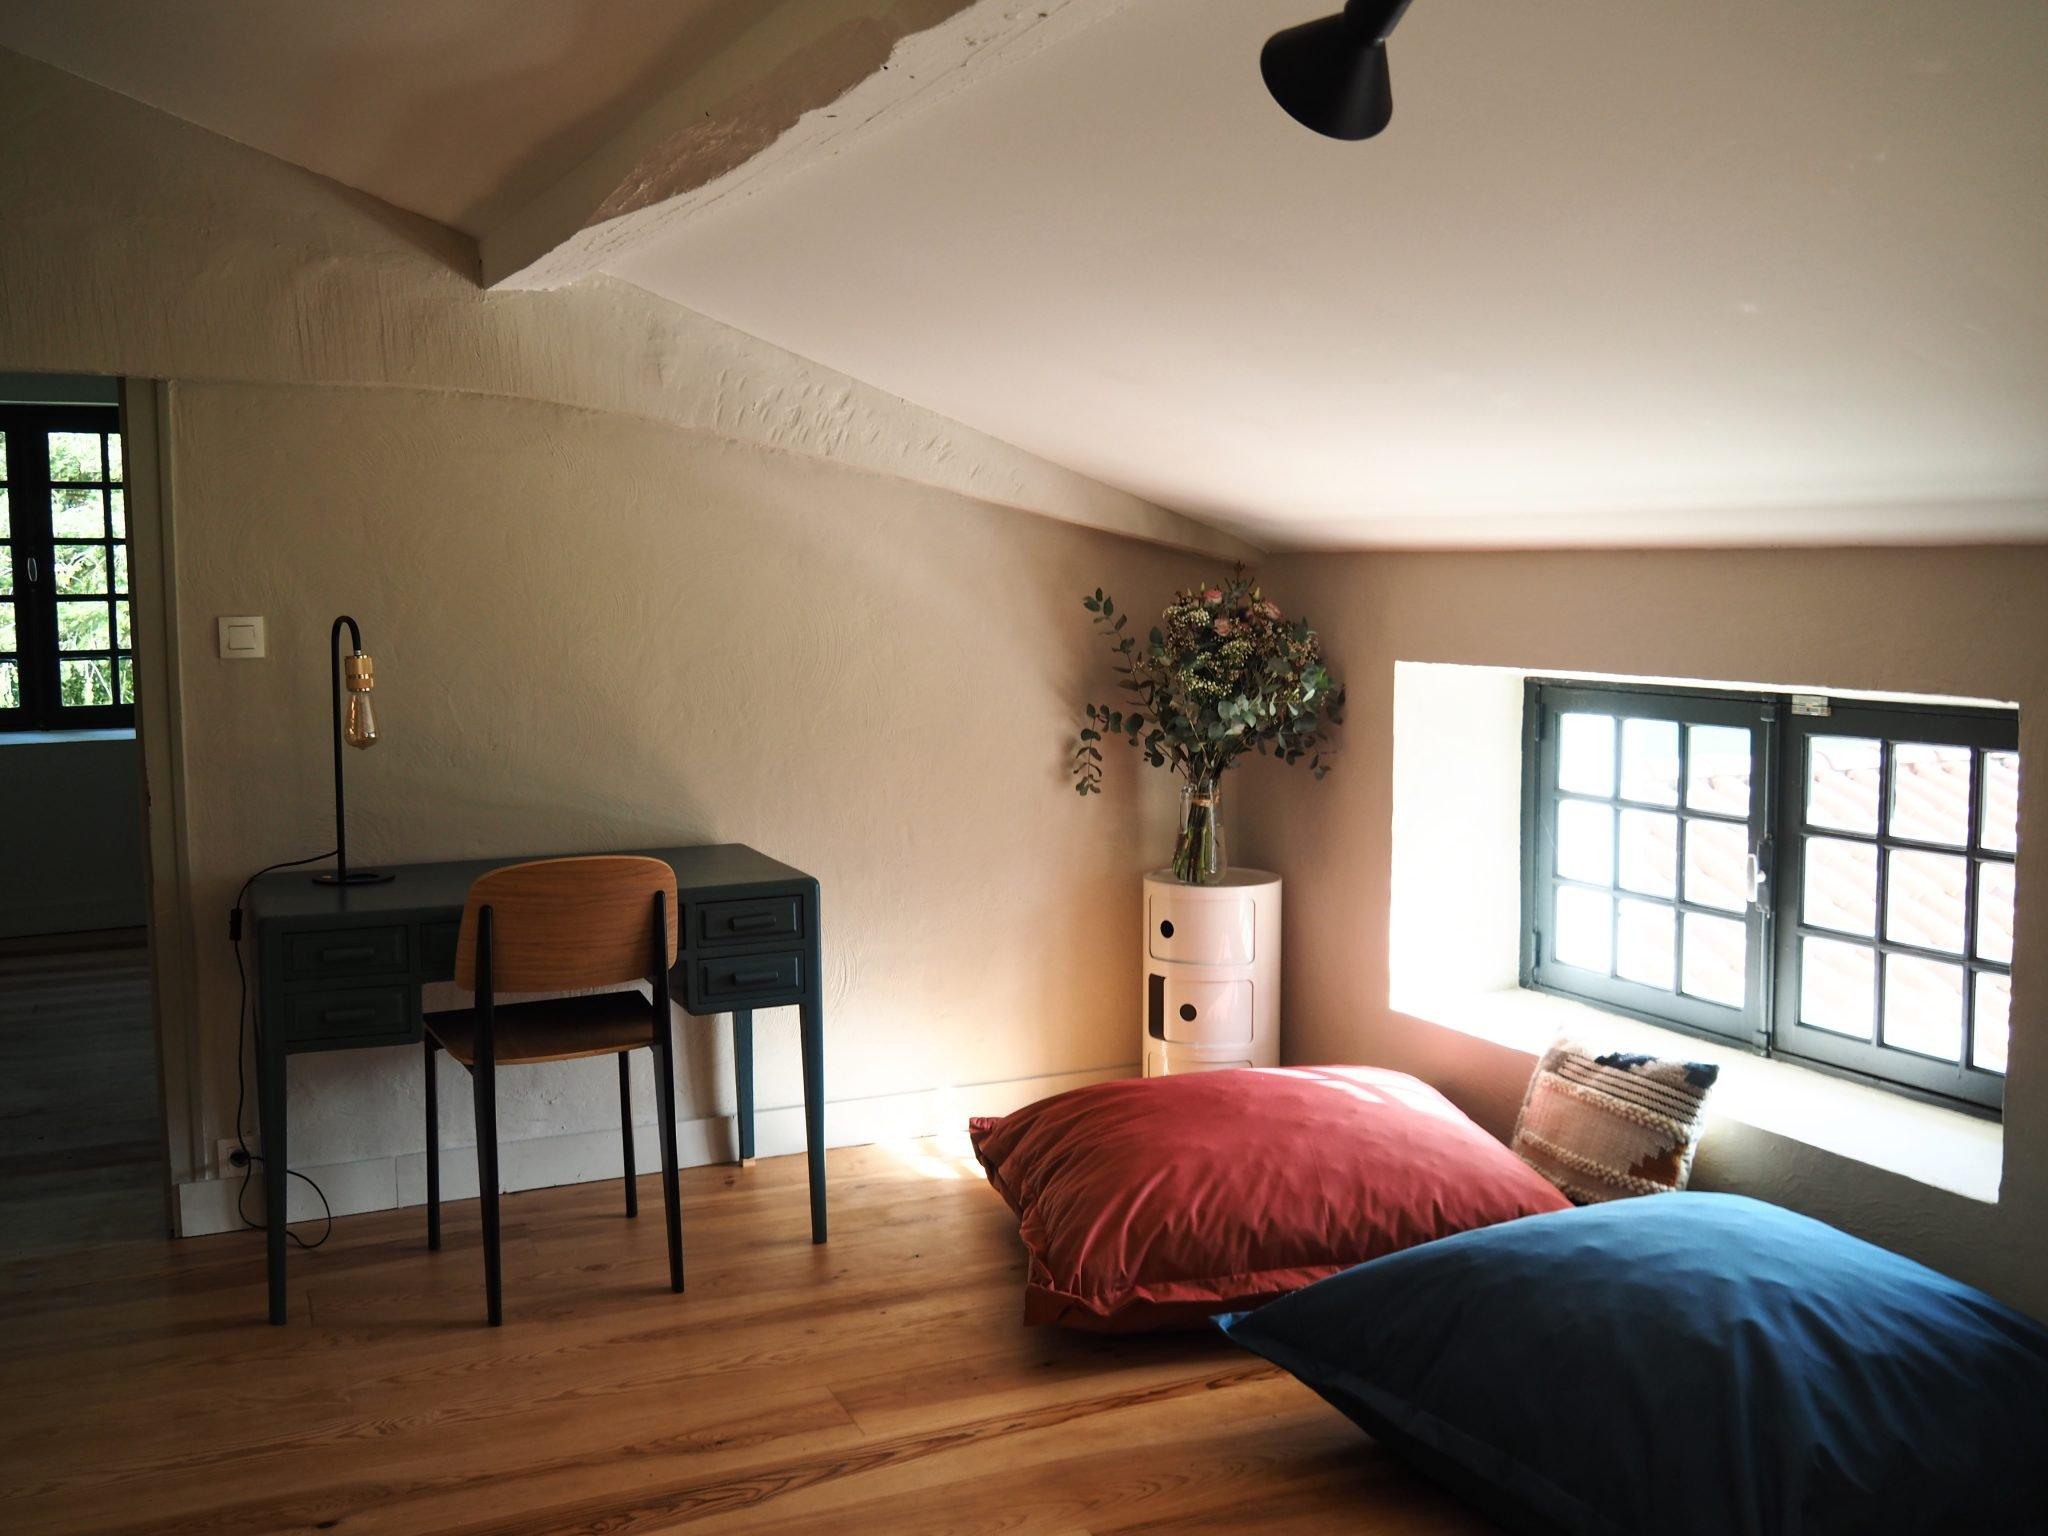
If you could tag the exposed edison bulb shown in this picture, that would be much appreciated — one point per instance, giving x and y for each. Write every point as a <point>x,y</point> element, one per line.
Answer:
<point>359,716</point>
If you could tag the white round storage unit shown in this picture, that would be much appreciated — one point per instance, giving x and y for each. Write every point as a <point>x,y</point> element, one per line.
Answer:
<point>1212,973</point>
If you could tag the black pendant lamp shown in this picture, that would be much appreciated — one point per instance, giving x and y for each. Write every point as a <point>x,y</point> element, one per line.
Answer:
<point>1331,75</point>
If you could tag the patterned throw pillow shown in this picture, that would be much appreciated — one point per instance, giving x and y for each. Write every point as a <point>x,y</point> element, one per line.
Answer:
<point>1602,1127</point>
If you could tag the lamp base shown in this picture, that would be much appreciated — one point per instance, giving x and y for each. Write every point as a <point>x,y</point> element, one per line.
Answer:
<point>353,877</point>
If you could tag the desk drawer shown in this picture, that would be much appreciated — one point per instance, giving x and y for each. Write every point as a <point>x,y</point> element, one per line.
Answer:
<point>739,979</point>
<point>437,950</point>
<point>750,921</point>
<point>351,1015</point>
<point>344,952</point>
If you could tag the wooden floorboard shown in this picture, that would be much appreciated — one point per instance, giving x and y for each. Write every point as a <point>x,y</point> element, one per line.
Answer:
<point>880,1383</point>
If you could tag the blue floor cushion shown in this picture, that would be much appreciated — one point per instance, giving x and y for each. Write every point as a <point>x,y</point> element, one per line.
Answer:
<point>1683,1364</point>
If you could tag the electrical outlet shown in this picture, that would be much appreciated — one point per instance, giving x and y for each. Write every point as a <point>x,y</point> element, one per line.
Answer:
<point>225,1153</point>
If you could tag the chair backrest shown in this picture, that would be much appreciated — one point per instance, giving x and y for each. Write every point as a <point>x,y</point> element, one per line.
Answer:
<point>558,925</point>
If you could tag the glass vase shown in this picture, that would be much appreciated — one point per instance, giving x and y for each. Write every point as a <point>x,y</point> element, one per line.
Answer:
<point>1198,854</point>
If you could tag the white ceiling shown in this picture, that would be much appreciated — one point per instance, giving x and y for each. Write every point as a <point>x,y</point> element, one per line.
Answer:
<point>1622,271</point>
<point>1745,272</point>
<point>457,109</point>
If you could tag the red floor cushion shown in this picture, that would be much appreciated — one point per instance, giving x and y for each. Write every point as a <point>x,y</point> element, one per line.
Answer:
<point>1157,1202</point>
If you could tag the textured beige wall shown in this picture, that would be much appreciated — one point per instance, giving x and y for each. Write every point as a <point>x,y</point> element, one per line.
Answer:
<point>630,577</point>
<point>1969,621</point>
<point>597,632</point>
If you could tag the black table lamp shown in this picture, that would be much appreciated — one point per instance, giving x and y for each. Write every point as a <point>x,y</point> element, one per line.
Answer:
<point>356,675</point>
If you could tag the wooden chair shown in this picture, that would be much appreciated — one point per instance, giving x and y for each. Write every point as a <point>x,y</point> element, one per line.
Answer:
<point>552,926</point>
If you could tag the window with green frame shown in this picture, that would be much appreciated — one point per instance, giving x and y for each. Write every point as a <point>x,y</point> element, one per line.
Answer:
<point>1825,880</point>
<point>66,634</point>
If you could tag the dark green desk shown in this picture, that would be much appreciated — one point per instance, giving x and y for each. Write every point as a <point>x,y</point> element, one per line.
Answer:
<point>341,968</point>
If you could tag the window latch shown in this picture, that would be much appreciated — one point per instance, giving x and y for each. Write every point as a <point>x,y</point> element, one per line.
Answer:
<point>1757,877</point>
<point>31,570</point>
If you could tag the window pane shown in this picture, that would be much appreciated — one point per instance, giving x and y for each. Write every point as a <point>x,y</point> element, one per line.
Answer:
<point>6,525</point>
<point>1585,928</point>
<point>82,626</point>
<point>114,454</point>
<point>1585,754</point>
<point>1717,769</point>
<point>2001,829</point>
<point>120,511</point>
<point>1838,987</point>
<point>7,640</point>
<point>6,570</point>
<point>78,514</point>
<point>1841,783</point>
<point>1649,761</point>
<point>3,455</point>
<point>1994,1018</point>
<point>74,456</point>
<point>120,567</point>
<point>85,682</point>
<point>1649,852</point>
<point>1585,841</point>
<point>1717,865</point>
<point>1841,885</point>
<point>1994,912</point>
<point>1923,1006</point>
<point>1930,793</point>
<point>1923,903</point>
<point>127,681</point>
<point>1716,963</point>
<point>10,685</point>
<point>1646,943</point>
<point>81,567</point>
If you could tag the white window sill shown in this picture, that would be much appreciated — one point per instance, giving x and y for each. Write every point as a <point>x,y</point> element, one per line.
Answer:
<point>1924,1142</point>
<point>59,738</point>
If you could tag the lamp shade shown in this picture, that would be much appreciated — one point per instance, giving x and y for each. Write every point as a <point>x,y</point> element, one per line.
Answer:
<point>1331,75</point>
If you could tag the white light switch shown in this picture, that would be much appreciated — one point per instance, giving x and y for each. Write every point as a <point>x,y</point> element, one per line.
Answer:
<point>241,638</point>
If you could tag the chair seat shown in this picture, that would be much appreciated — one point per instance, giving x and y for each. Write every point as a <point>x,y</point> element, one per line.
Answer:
<point>553,1029</point>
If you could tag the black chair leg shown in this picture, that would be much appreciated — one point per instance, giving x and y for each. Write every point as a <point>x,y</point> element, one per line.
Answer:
<point>671,1183</point>
<point>626,1132</point>
<point>433,1148</point>
<point>484,1081</point>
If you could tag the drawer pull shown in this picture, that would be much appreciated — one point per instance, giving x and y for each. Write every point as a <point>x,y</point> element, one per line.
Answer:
<point>755,978</point>
<point>751,922</point>
<point>348,1016</point>
<point>355,952</point>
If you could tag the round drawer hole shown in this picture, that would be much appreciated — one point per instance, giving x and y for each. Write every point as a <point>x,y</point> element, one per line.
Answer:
<point>1187,1011</point>
<point>1166,929</point>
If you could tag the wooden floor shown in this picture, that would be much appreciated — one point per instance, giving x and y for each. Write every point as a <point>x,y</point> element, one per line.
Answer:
<point>879,1383</point>
<point>81,1141</point>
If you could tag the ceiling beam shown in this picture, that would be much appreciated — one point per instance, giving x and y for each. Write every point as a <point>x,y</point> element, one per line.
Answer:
<point>800,85</point>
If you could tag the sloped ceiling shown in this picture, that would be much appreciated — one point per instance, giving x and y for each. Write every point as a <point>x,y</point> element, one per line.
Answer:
<point>1619,273</point>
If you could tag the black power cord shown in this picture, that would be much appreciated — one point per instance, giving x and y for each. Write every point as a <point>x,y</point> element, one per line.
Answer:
<point>245,1028</point>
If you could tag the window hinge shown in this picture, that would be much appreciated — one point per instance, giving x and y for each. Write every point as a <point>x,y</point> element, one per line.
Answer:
<point>1811,704</point>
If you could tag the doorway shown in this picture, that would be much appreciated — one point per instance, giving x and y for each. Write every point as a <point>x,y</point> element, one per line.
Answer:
<point>83,1159</point>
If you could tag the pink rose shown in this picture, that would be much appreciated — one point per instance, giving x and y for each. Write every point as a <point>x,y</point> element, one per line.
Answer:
<point>1222,626</point>
<point>1269,610</point>
<point>1213,595</point>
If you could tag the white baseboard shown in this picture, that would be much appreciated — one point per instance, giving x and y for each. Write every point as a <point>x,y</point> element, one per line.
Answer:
<point>581,1157</point>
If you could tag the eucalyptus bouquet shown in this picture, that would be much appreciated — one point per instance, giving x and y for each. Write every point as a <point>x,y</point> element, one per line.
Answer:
<point>1223,673</point>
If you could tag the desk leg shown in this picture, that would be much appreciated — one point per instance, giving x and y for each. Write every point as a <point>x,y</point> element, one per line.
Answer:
<point>743,1080</point>
<point>812,1030</point>
<point>270,1099</point>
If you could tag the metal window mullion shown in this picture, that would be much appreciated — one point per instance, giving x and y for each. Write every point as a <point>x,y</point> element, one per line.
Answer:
<point>1678,870</point>
<point>1972,835</point>
<point>1882,931</point>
